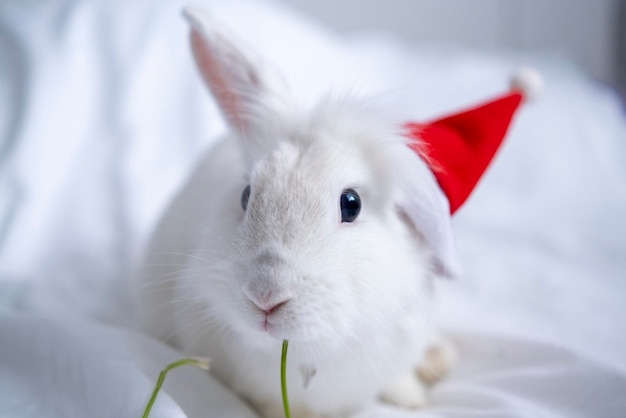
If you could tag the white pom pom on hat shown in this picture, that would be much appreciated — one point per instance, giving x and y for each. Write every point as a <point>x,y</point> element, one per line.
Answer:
<point>529,82</point>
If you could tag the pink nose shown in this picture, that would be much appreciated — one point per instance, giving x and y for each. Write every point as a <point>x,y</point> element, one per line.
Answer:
<point>270,307</point>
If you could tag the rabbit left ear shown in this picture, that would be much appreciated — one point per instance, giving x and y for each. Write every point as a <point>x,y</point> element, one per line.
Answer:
<point>231,76</point>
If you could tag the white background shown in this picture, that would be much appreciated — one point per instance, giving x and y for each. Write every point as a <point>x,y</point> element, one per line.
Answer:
<point>585,31</point>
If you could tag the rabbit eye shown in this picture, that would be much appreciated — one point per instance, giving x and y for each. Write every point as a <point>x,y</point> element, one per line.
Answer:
<point>350,203</point>
<point>245,196</point>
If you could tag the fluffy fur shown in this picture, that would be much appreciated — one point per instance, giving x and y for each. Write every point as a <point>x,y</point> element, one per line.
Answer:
<point>355,294</point>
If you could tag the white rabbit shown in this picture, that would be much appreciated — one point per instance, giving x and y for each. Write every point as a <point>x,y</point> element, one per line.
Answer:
<point>301,226</point>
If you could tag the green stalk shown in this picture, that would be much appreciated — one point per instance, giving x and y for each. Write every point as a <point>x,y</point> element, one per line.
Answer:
<point>283,378</point>
<point>201,363</point>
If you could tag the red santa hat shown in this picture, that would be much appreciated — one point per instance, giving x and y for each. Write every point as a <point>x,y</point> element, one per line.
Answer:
<point>458,148</point>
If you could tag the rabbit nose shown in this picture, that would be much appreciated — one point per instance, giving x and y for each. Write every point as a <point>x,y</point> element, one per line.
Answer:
<point>271,309</point>
<point>267,301</point>
<point>269,306</point>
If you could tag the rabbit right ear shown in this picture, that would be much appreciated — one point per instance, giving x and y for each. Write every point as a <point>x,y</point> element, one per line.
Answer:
<point>233,80</point>
<point>425,205</point>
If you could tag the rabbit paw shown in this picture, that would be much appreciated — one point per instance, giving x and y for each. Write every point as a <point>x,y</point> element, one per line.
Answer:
<point>438,361</point>
<point>408,392</point>
<point>274,410</point>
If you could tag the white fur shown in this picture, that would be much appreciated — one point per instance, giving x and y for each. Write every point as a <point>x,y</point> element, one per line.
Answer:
<point>357,293</point>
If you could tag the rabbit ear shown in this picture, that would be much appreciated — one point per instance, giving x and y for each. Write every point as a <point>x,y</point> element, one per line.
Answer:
<point>232,78</point>
<point>427,208</point>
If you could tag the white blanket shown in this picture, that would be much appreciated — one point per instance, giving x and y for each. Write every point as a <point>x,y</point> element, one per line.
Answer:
<point>102,115</point>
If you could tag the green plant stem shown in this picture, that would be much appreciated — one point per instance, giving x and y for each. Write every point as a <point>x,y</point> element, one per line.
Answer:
<point>201,363</point>
<point>283,378</point>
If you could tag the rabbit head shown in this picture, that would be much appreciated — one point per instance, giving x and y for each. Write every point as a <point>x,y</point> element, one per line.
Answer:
<point>338,227</point>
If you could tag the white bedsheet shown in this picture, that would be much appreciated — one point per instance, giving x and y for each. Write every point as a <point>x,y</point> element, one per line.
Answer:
<point>102,115</point>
